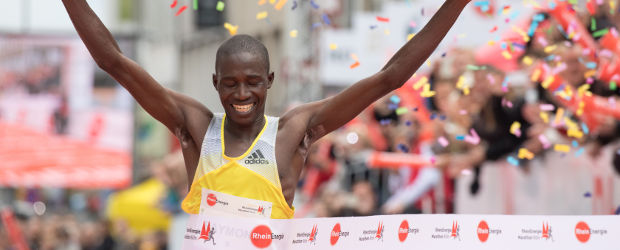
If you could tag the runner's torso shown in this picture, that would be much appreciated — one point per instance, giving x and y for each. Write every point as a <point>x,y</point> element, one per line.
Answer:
<point>253,174</point>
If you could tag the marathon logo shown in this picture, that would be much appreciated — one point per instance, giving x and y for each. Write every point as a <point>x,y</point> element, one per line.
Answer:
<point>256,158</point>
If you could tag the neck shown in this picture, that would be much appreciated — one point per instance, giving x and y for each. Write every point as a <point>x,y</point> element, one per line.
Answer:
<point>244,132</point>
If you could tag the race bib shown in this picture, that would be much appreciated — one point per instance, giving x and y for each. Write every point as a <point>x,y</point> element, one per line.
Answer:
<point>220,204</point>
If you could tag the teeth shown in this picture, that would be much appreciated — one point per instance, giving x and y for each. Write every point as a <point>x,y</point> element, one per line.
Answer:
<point>243,108</point>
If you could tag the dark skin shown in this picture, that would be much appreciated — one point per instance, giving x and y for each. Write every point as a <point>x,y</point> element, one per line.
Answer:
<point>241,78</point>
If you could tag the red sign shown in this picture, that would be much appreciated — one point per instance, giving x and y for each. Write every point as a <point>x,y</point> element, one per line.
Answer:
<point>335,235</point>
<point>261,236</point>
<point>582,232</point>
<point>403,231</point>
<point>483,231</point>
<point>211,199</point>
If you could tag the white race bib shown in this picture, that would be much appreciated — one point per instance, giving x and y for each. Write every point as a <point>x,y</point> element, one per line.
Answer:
<point>220,204</point>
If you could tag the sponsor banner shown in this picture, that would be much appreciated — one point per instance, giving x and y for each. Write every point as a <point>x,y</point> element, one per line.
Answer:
<point>406,232</point>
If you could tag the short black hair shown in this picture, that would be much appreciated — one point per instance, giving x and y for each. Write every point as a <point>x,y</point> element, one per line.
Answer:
<point>243,43</point>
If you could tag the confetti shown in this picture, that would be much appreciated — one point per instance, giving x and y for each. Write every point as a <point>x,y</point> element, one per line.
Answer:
<point>420,83</point>
<point>513,161</point>
<point>326,19</point>
<point>293,33</point>
<point>462,112</point>
<point>195,3</point>
<point>506,54</point>
<point>545,117</point>
<point>460,137</point>
<point>333,46</point>
<point>314,5</point>
<point>493,29</point>
<point>385,121</point>
<point>261,15</point>
<point>174,4</point>
<point>600,33</point>
<point>401,110</point>
<point>612,85</point>
<point>392,106</point>
<point>403,147</point>
<point>261,2</point>
<point>181,10</point>
<point>354,65</point>
<point>587,195</point>
<point>617,211</point>
<point>561,148</point>
<point>585,129</point>
<point>220,6</point>
<point>443,141</point>
<point>395,99</point>
<point>546,107</point>
<point>544,141</point>
<point>231,28</point>
<point>558,116</point>
<point>408,123</point>
<point>473,137</point>
<point>579,152</point>
<point>383,19</point>
<point>515,129</point>
<point>426,91</point>
<point>525,154</point>
<point>294,5</point>
<point>410,36</point>
<point>280,4</point>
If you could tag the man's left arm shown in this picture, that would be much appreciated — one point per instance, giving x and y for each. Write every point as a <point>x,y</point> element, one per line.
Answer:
<point>332,113</point>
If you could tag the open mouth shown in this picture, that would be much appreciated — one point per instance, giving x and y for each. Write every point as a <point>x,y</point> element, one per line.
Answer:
<point>244,108</point>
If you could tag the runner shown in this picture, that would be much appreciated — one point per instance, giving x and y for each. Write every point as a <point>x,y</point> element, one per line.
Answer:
<point>242,161</point>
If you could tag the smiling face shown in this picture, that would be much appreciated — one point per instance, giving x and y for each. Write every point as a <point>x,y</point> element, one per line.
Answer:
<point>242,81</point>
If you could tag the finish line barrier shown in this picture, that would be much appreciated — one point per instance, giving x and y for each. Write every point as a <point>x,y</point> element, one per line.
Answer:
<point>422,231</point>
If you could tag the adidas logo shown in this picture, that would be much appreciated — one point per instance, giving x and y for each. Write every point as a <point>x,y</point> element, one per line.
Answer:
<point>256,158</point>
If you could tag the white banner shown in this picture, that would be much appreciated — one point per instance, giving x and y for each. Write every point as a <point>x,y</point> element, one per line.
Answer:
<point>447,231</point>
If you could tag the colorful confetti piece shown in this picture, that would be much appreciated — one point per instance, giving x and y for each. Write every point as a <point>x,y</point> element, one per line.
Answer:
<point>220,6</point>
<point>513,161</point>
<point>383,19</point>
<point>443,141</point>
<point>261,15</point>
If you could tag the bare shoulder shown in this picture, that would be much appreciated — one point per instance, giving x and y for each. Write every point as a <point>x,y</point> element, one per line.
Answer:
<point>197,117</point>
<point>296,122</point>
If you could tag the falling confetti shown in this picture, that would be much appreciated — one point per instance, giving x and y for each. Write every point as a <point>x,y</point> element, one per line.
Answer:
<point>220,6</point>
<point>383,19</point>
<point>326,19</point>
<point>587,195</point>
<point>261,15</point>
<point>280,4</point>
<point>293,33</point>
<point>513,161</point>
<point>231,28</point>
<point>314,5</point>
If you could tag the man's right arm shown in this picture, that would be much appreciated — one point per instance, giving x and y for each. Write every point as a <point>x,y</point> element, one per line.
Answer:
<point>168,107</point>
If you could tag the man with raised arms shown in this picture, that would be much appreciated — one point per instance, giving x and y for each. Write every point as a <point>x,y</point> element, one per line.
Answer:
<point>242,161</point>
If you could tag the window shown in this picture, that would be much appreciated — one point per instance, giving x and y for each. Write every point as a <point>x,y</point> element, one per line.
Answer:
<point>207,15</point>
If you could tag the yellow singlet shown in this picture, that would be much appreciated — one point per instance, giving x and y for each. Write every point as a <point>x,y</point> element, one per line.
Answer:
<point>253,175</point>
